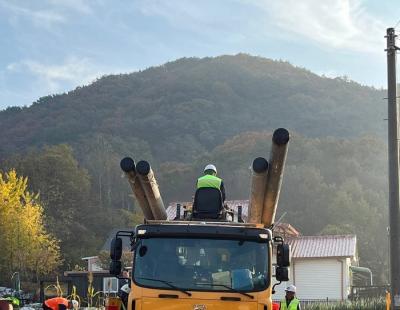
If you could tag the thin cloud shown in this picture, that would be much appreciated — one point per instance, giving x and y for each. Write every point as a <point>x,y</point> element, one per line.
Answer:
<point>39,17</point>
<point>80,6</point>
<point>338,24</point>
<point>46,13</point>
<point>205,19</point>
<point>73,72</point>
<point>50,78</point>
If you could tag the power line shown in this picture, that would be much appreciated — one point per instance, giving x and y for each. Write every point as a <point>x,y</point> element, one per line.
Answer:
<point>395,26</point>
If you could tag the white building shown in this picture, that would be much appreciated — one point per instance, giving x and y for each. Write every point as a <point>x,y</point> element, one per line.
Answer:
<point>93,263</point>
<point>320,267</point>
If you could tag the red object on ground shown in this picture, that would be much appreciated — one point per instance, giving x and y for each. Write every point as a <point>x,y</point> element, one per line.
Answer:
<point>275,306</point>
<point>53,303</point>
<point>113,303</point>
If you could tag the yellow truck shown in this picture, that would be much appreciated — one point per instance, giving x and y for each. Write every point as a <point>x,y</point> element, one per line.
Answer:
<point>207,257</point>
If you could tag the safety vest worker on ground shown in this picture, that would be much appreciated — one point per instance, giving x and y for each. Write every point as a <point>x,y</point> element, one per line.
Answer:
<point>210,179</point>
<point>290,302</point>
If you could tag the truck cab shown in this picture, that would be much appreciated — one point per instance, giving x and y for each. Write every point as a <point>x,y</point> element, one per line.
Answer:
<point>201,265</point>
<point>181,265</point>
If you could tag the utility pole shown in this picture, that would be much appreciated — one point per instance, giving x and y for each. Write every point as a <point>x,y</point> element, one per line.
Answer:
<point>393,157</point>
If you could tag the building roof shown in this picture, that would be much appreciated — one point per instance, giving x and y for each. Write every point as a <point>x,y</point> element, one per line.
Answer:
<point>285,230</point>
<point>323,246</point>
<point>85,272</point>
<point>89,257</point>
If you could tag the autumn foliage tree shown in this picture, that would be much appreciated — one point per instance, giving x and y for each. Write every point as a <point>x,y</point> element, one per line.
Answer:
<point>25,245</point>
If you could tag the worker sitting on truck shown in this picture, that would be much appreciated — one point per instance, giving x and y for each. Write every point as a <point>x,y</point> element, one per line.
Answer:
<point>290,302</point>
<point>210,180</point>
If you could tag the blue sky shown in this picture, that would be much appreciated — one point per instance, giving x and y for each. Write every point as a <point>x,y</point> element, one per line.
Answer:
<point>52,46</point>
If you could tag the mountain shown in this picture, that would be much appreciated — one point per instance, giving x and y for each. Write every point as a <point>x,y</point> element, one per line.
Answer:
<point>189,106</point>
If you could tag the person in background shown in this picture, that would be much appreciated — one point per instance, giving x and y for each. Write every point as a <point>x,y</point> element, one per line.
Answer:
<point>124,295</point>
<point>125,273</point>
<point>8,303</point>
<point>124,279</point>
<point>291,302</point>
<point>124,288</point>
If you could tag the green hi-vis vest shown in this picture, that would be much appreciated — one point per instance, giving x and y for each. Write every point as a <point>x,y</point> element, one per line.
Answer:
<point>209,180</point>
<point>292,306</point>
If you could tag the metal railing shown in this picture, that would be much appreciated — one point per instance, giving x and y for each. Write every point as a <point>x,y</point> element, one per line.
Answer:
<point>370,291</point>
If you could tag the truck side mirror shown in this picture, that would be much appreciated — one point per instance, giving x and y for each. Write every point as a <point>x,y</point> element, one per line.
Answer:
<point>115,267</point>
<point>116,249</point>
<point>282,274</point>
<point>283,255</point>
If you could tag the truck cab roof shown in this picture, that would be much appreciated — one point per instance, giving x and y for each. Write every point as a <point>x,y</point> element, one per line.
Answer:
<point>193,229</point>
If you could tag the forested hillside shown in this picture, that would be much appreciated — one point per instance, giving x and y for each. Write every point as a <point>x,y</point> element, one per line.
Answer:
<point>192,105</point>
<point>186,113</point>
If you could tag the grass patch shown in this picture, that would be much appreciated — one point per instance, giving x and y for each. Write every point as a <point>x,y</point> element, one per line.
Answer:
<point>365,304</point>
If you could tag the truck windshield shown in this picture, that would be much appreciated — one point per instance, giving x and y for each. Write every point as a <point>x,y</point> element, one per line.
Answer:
<point>201,264</point>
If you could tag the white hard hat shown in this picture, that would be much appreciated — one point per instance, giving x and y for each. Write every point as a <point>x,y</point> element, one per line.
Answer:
<point>210,167</point>
<point>291,288</point>
<point>125,288</point>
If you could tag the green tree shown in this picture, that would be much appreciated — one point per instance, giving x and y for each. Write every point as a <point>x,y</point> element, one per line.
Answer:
<point>64,191</point>
<point>25,244</point>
